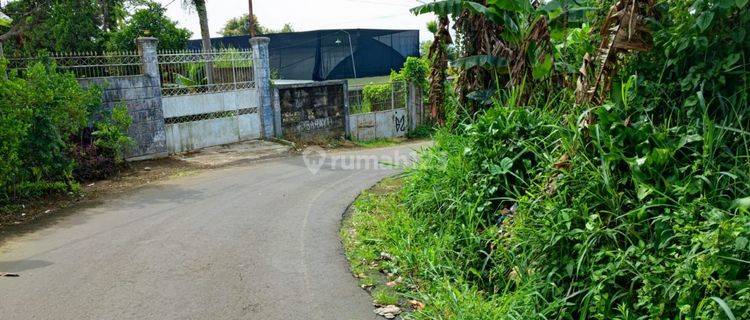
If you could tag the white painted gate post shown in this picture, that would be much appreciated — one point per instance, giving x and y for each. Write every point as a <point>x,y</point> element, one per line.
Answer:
<point>262,71</point>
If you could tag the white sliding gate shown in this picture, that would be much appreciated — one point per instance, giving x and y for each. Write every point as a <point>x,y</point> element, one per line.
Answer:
<point>208,99</point>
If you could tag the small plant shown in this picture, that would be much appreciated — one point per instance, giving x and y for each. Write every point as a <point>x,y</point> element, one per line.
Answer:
<point>111,133</point>
<point>421,132</point>
<point>384,296</point>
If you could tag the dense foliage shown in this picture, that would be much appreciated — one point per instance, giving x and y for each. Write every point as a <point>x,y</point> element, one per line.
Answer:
<point>537,207</point>
<point>56,26</point>
<point>85,26</point>
<point>378,96</point>
<point>42,114</point>
<point>150,21</point>
<point>240,26</point>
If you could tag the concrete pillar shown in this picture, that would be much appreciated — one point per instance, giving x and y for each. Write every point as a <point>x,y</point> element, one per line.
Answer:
<point>414,105</point>
<point>147,48</point>
<point>262,70</point>
<point>347,113</point>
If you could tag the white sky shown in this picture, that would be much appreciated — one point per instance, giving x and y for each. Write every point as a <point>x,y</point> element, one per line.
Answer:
<point>307,14</point>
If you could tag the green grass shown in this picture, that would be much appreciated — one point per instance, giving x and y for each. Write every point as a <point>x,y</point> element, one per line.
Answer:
<point>384,296</point>
<point>525,215</point>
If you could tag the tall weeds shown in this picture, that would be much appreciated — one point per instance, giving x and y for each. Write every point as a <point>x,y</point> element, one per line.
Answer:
<point>635,207</point>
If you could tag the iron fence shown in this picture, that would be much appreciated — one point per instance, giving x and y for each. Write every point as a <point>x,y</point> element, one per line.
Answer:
<point>194,72</point>
<point>85,64</point>
<point>378,97</point>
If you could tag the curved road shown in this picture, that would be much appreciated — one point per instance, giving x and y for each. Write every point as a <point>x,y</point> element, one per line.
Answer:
<point>258,241</point>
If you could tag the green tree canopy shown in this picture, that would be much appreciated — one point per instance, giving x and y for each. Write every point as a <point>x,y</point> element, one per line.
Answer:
<point>149,21</point>
<point>55,26</point>
<point>239,26</point>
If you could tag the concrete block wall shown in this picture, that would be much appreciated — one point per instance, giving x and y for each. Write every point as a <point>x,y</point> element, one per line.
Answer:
<point>311,111</point>
<point>142,96</point>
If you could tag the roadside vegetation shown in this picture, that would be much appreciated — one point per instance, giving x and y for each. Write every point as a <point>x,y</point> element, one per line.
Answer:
<point>376,96</point>
<point>591,161</point>
<point>53,134</point>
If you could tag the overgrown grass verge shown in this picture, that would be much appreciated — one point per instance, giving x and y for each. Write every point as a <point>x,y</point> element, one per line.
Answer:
<point>368,223</point>
<point>595,213</point>
<point>388,249</point>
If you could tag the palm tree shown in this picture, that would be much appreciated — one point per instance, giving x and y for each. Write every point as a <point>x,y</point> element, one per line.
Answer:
<point>200,8</point>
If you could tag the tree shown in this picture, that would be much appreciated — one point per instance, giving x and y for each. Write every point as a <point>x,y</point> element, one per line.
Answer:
<point>286,28</point>
<point>149,21</point>
<point>438,54</point>
<point>112,13</point>
<point>239,26</point>
<point>64,25</point>
<point>200,7</point>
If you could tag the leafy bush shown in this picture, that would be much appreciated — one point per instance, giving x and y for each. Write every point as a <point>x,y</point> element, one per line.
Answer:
<point>376,96</point>
<point>40,110</point>
<point>43,116</point>
<point>99,150</point>
<point>421,131</point>
<point>415,70</point>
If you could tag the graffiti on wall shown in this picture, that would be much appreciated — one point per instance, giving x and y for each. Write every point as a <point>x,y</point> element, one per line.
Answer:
<point>312,111</point>
<point>399,122</point>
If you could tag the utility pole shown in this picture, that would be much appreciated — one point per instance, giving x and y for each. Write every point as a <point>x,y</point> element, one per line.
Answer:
<point>252,19</point>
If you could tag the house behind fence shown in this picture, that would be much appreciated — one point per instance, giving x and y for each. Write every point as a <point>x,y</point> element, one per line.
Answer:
<point>187,100</point>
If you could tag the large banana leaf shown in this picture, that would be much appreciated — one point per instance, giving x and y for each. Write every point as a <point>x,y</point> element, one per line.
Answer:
<point>482,61</point>
<point>523,6</point>
<point>449,8</point>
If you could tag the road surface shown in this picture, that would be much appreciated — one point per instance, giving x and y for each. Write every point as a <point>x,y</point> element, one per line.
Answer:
<point>258,241</point>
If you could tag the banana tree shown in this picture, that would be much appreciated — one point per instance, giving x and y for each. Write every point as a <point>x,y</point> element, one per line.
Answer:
<point>625,29</point>
<point>485,29</point>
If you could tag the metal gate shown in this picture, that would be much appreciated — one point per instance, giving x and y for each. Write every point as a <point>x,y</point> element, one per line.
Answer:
<point>208,99</point>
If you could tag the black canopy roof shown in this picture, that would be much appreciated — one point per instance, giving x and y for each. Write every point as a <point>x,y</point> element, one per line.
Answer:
<point>326,54</point>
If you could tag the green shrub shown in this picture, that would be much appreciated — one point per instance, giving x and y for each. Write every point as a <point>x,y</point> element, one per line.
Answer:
<point>421,131</point>
<point>376,97</point>
<point>415,70</point>
<point>99,151</point>
<point>111,132</point>
<point>44,115</point>
<point>636,208</point>
<point>41,110</point>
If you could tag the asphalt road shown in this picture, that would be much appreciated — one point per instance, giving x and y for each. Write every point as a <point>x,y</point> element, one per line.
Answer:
<point>258,241</point>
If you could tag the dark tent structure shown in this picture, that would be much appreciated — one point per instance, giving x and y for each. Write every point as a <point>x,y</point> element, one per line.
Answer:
<point>327,54</point>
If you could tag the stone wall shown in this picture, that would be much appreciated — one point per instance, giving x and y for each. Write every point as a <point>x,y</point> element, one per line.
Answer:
<point>312,111</point>
<point>142,96</point>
